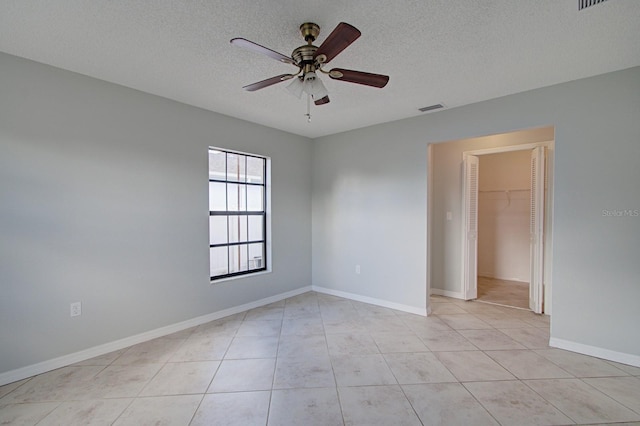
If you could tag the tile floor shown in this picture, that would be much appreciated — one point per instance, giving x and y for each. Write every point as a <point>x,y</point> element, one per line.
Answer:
<point>322,360</point>
<point>503,292</point>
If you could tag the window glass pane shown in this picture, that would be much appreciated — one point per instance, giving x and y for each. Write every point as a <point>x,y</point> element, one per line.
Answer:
<point>256,225</point>
<point>217,196</point>
<point>218,261</point>
<point>218,229</point>
<point>236,165</point>
<point>238,258</point>
<point>216,165</point>
<point>238,188</point>
<point>255,170</point>
<point>237,229</point>
<point>256,256</point>
<point>237,198</point>
<point>254,198</point>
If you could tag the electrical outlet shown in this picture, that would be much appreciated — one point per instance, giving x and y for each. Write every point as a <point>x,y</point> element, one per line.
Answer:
<point>76,309</point>
<point>358,269</point>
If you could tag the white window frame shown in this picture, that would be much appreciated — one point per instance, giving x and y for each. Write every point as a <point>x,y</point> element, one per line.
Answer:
<point>250,269</point>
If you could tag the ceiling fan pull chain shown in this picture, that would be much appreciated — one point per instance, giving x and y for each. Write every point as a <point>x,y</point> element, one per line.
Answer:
<point>308,114</point>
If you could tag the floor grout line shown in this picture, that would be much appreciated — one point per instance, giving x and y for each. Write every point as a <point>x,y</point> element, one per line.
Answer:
<point>346,318</point>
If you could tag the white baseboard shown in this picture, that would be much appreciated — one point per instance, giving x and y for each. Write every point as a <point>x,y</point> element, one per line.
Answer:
<point>496,277</point>
<point>65,360</point>
<point>372,301</point>
<point>447,293</point>
<point>610,355</point>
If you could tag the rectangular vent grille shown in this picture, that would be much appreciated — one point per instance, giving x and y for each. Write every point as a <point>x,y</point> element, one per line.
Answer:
<point>431,107</point>
<point>583,4</point>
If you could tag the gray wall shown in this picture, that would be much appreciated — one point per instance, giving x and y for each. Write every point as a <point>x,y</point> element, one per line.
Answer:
<point>103,199</point>
<point>369,203</point>
<point>369,209</point>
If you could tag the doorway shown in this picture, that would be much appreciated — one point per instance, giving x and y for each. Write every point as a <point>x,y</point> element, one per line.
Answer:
<point>504,196</point>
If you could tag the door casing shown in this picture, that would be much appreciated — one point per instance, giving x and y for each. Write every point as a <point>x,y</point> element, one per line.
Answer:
<point>469,285</point>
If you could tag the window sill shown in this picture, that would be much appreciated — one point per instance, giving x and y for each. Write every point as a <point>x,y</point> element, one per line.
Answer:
<point>239,277</point>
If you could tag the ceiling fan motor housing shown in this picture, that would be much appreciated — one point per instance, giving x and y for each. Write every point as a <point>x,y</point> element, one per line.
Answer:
<point>304,55</point>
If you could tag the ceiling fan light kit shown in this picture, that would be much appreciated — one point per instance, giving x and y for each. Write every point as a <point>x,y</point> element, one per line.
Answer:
<point>308,83</point>
<point>310,59</point>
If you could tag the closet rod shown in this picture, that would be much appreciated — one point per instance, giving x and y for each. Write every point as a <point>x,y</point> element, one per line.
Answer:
<point>505,190</point>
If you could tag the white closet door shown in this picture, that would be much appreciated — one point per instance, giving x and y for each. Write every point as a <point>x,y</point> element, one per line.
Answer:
<point>470,280</point>
<point>537,230</point>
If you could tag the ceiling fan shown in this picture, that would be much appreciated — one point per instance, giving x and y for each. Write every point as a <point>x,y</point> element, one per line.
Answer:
<point>310,59</point>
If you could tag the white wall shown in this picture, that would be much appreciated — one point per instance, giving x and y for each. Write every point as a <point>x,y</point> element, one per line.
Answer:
<point>103,199</point>
<point>369,202</point>
<point>506,170</point>
<point>504,215</point>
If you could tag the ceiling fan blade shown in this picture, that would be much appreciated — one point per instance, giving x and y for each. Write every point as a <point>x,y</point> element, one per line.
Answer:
<point>339,39</point>
<point>322,101</point>
<point>359,77</point>
<point>254,47</point>
<point>268,82</point>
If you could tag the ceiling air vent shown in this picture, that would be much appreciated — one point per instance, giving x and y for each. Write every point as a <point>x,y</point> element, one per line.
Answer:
<point>583,4</point>
<point>431,107</point>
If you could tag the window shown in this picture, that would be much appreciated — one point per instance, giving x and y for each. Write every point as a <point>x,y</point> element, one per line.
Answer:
<point>237,213</point>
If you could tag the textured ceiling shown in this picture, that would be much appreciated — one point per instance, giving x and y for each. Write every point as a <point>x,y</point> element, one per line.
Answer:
<point>454,52</point>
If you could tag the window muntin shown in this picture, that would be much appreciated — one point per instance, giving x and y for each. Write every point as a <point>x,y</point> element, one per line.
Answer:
<point>237,213</point>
